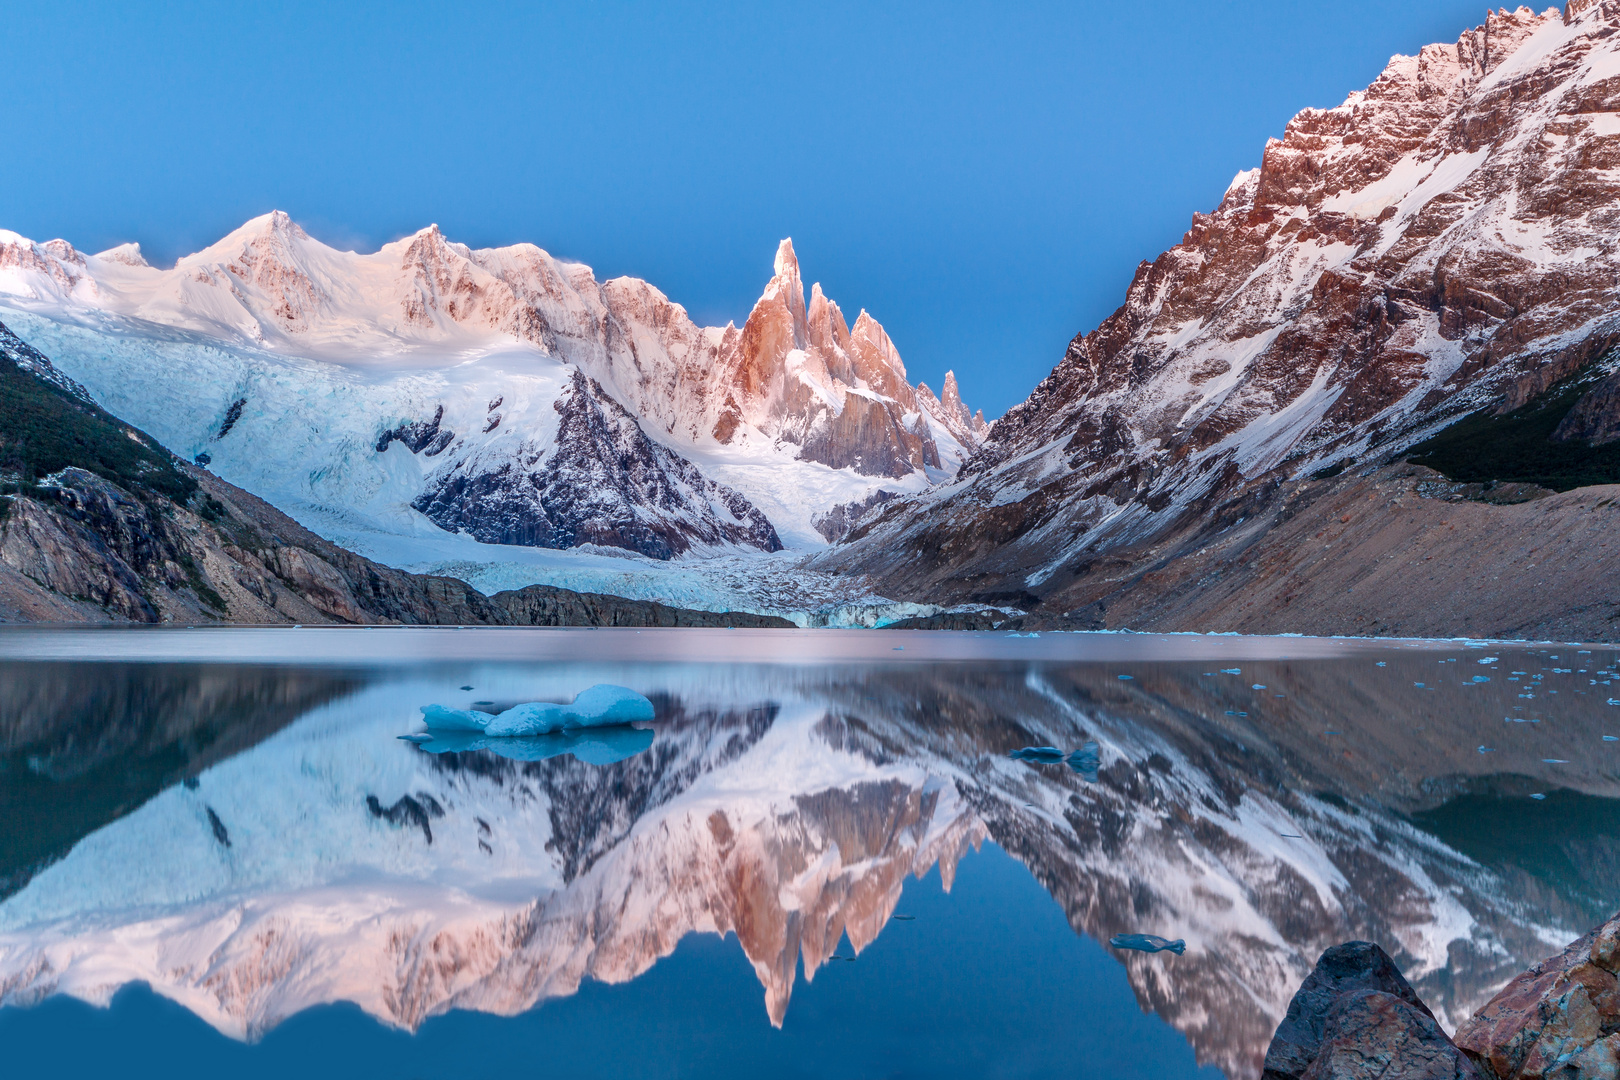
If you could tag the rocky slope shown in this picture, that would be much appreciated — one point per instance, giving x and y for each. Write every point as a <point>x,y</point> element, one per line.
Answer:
<point>1441,245</point>
<point>1399,551</point>
<point>100,523</point>
<point>490,389</point>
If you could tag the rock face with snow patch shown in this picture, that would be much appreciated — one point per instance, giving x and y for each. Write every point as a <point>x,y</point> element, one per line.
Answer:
<point>801,374</point>
<point>1442,243</point>
<point>603,482</point>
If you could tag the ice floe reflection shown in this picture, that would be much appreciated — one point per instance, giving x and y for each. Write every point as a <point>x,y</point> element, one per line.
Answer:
<point>256,840</point>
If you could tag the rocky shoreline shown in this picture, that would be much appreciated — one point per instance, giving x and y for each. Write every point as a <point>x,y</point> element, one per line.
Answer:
<point>1355,1017</point>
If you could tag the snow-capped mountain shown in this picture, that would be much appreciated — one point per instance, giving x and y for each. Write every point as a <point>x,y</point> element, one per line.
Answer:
<point>1441,243</point>
<point>501,393</point>
<point>333,862</point>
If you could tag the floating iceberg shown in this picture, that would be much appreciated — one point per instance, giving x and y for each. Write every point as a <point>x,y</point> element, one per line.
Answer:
<point>1148,943</point>
<point>595,746</point>
<point>600,706</point>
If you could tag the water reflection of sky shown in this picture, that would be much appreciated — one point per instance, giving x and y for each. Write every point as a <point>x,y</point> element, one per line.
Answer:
<point>254,841</point>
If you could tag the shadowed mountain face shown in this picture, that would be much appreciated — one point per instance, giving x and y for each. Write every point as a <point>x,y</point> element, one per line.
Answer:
<point>1261,812</point>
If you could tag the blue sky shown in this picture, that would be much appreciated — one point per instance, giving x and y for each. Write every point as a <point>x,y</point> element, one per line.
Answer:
<point>983,178</point>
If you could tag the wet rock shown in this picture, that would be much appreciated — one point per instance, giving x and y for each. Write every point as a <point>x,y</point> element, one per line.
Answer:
<point>1354,969</point>
<point>1376,1035</point>
<point>1553,1014</point>
<point>986,619</point>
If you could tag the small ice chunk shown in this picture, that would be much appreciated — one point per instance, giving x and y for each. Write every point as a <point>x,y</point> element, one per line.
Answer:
<point>440,718</point>
<point>1148,943</point>
<point>1042,755</point>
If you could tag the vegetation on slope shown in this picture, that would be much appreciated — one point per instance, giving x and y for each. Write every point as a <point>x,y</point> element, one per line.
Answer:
<point>1518,446</point>
<point>45,428</point>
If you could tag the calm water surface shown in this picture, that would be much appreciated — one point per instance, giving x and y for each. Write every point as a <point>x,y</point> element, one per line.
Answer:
<point>819,859</point>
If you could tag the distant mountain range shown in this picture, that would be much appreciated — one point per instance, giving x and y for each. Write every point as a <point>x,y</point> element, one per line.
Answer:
<point>501,393</point>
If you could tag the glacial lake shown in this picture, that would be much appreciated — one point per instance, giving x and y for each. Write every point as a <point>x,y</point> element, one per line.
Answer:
<point>819,859</point>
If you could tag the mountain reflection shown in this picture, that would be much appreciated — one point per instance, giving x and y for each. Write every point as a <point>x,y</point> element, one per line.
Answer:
<point>1260,815</point>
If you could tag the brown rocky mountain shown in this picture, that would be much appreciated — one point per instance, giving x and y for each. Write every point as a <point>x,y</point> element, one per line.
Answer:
<point>1434,259</point>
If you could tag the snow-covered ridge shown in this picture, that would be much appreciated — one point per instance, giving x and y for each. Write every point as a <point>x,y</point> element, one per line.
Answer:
<point>299,371</point>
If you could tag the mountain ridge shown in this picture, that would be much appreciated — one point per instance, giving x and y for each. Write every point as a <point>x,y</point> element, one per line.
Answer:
<point>1438,246</point>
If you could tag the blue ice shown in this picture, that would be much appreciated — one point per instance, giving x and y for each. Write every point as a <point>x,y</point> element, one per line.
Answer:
<point>600,706</point>
<point>593,746</point>
<point>1148,943</point>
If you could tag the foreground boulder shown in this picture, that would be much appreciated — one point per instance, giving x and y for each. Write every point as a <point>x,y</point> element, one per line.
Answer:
<point>1560,1020</point>
<point>1355,1016</point>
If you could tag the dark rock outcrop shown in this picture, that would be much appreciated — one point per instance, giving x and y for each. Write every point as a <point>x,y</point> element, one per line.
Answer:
<point>419,436</point>
<point>605,483</point>
<point>1595,418</point>
<point>545,605</point>
<point>1355,1016</point>
<point>1374,1035</point>
<point>836,523</point>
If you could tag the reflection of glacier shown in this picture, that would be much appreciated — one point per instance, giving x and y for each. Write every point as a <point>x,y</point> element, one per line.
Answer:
<point>787,807</point>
